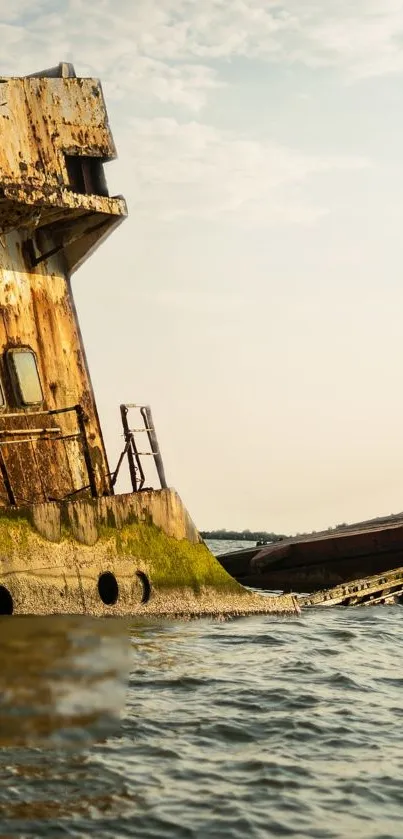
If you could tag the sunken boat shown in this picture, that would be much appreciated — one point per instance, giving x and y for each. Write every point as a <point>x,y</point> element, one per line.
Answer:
<point>319,562</point>
<point>68,542</point>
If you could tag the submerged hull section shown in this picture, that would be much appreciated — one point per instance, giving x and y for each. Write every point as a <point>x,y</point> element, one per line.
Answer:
<point>134,554</point>
<point>385,589</point>
<point>323,560</point>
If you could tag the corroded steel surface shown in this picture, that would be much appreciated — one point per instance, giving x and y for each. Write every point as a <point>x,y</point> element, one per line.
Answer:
<point>42,120</point>
<point>136,554</point>
<point>44,123</point>
<point>36,310</point>
<point>54,210</point>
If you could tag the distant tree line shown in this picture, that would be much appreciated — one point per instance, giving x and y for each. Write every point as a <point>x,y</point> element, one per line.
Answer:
<point>246,535</point>
<point>264,536</point>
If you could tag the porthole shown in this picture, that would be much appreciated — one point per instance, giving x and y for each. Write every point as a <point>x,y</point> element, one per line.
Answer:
<point>145,585</point>
<point>22,366</point>
<point>6,602</point>
<point>108,588</point>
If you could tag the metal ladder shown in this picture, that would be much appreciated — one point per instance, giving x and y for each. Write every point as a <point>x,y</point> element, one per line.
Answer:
<point>130,450</point>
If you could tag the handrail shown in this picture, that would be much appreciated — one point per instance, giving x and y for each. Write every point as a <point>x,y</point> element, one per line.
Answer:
<point>53,433</point>
<point>18,436</point>
<point>7,432</point>
<point>50,412</point>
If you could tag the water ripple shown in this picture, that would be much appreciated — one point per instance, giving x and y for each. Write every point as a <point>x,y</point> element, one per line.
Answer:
<point>259,727</point>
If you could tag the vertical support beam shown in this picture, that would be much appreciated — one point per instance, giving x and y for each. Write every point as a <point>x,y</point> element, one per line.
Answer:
<point>149,426</point>
<point>86,450</point>
<point>128,440</point>
<point>7,484</point>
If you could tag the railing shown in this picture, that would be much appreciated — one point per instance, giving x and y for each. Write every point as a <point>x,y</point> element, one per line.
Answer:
<point>17,436</point>
<point>10,437</point>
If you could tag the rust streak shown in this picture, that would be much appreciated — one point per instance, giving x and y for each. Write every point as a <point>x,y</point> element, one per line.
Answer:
<point>54,211</point>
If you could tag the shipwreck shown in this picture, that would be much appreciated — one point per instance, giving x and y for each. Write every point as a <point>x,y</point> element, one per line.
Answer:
<point>357,564</point>
<point>68,542</point>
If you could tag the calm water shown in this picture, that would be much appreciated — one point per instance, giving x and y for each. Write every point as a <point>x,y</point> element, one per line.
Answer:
<point>253,728</point>
<point>221,546</point>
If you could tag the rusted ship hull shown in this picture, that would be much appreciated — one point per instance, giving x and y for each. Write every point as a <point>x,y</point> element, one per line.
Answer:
<point>321,561</point>
<point>68,542</point>
<point>137,554</point>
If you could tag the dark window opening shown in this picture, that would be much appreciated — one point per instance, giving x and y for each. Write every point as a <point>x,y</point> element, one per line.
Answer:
<point>24,376</point>
<point>6,602</point>
<point>108,588</point>
<point>86,175</point>
<point>2,397</point>
<point>145,586</point>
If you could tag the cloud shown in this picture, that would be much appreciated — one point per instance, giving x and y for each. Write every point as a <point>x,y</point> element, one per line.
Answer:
<point>14,11</point>
<point>196,170</point>
<point>361,38</point>
<point>162,59</point>
<point>171,51</point>
<point>138,51</point>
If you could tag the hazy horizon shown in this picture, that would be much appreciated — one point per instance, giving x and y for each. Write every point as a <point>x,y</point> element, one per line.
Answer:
<point>254,295</point>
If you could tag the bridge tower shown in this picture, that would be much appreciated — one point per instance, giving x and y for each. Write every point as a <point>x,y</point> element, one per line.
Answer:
<point>54,211</point>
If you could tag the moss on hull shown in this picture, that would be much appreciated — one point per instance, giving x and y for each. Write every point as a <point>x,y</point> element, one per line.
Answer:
<point>171,563</point>
<point>52,556</point>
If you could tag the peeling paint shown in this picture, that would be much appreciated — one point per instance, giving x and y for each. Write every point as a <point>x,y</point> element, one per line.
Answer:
<point>44,122</point>
<point>54,210</point>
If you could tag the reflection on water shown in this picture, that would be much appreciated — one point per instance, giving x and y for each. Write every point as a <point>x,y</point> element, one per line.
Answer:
<point>259,727</point>
<point>63,693</point>
<point>63,687</point>
<point>62,679</point>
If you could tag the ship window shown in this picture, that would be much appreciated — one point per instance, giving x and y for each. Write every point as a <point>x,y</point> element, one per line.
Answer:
<point>86,175</point>
<point>24,376</point>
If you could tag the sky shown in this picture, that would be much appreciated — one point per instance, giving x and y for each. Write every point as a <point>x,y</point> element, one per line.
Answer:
<point>254,296</point>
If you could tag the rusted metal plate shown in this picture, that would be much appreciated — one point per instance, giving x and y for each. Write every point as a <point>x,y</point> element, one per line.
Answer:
<point>54,210</point>
<point>317,561</point>
<point>44,122</point>
<point>41,120</point>
<point>37,311</point>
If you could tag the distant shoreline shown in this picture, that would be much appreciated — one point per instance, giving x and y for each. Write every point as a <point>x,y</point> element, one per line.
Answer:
<point>263,536</point>
<point>242,535</point>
